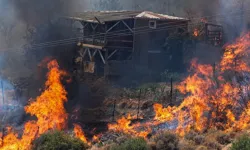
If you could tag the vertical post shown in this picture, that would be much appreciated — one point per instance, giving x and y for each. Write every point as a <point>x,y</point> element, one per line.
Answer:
<point>106,67</point>
<point>139,103</point>
<point>113,115</point>
<point>206,32</point>
<point>2,91</point>
<point>171,90</point>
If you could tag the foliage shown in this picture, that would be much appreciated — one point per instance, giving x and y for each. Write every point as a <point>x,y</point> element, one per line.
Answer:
<point>153,91</point>
<point>166,140</point>
<point>132,144</point>
<point>243,143</point>
<point>129,93</point>
<point>58,140</point>
<point>167,75</point>
<point>142,91</point>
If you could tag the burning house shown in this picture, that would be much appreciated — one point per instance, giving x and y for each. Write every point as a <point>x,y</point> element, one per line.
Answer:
<point>112,42</point>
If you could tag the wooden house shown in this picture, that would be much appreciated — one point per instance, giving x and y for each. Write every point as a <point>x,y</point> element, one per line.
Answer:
<point>115,42</point>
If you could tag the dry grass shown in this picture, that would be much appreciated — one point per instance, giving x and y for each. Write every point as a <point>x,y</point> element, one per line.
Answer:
<point>186,145</point>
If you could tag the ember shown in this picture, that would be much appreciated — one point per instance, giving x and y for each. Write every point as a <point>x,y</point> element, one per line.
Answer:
<point>196,32</point>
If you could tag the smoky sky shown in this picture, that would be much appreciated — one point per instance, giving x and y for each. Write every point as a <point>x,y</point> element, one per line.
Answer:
<point>22,13</point>
<point>39,11</point>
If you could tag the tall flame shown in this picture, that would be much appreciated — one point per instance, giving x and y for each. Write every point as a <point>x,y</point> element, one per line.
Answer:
<point>48,108</point>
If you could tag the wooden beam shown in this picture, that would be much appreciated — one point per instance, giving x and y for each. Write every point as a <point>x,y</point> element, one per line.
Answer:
<point>85,24</point>
<point>92,46</point>
<point>98,20</point>
<point>127,26</point>
<point>129,57</point>
<point>94,53</point>
<point>94,27</point>
<point>123,41</point>
<point>102,57</point>
<point>83,54</point>
<point>112,54</point>
<point>113,26</point>
<point>211,24</point>
<point>90,57</point>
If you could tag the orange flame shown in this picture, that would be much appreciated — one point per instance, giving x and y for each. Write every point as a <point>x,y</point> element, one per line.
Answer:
<point>79,133</point>
<point>212,98</point>
<point>48,108</point>
<point>163,114</point>
<point>196,32</point>
<point>124,125</point>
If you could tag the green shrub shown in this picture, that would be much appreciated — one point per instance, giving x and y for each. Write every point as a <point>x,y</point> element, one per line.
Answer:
<point>243,143</point>
<point>166,141</point>
<point>57,140</point>
<point>132,144</point>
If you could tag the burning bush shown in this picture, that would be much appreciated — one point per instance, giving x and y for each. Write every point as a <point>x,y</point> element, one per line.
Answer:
<point>216,96</point>
<point>58,140</point>
<point>243,143</point>
<point>132,144</point>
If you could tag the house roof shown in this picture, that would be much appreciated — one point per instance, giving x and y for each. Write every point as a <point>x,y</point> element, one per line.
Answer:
<point>106,16</point>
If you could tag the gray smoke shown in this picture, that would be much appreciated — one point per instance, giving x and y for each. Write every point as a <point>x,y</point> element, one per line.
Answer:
<point>17,17</point>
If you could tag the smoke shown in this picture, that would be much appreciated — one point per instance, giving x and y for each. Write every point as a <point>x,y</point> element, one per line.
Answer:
<point>235,18</point>
<point>23,23</point>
